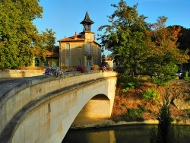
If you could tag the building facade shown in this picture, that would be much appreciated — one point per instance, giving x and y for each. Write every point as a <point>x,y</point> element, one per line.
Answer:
<point>52,59</point>
<point>80,49</point>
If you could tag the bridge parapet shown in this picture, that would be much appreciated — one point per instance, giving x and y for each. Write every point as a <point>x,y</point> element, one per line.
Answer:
<point>20,73</point>
<point>19,94</point>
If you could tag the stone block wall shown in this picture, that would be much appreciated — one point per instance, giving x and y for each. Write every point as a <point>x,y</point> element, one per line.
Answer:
<point>20,73</point>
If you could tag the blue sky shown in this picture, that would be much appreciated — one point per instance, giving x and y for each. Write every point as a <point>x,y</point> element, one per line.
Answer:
<point>64,16</point>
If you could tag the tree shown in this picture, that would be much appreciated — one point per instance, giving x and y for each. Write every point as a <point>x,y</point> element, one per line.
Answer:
<point>18,35</point>
<point>45,41</point>
<point>164,56</point>
<point>166,133</point>
<point>126,37</point>
<point>183,39</point>
<point>49,39</point>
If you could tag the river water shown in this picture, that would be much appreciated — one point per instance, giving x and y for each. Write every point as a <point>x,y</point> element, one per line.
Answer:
<point>120,134</point>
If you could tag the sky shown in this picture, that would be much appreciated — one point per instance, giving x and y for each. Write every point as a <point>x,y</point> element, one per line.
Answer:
<point>64,16</point>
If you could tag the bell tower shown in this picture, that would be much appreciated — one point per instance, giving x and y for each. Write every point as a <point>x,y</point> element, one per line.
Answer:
<point>87,22</point>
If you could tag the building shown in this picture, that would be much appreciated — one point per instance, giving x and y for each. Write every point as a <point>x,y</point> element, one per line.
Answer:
<point>52,59</point>
<point>80,49</point>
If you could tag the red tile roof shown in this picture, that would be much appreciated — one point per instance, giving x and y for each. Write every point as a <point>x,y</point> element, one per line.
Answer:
<point>72,38</point>
<point>48,53</point>
<point>76,38</point>
<point>51,54</point>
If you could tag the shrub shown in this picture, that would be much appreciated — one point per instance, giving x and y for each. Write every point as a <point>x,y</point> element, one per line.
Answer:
<point>119,94</point>
<point>159,80</point>
<point>150,94</point>
<point>165,74</point>
<point>186,77</point>
<point>150,111</point>
<point>166,133</point>
<point>142,108</point>
<point>129,83</point>
<point>133,115</point>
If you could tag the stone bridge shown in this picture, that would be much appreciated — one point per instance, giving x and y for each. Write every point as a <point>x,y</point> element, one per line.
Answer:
<point>41,109</point>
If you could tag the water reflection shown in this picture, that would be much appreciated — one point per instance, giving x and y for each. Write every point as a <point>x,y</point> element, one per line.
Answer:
<point>122,134</point>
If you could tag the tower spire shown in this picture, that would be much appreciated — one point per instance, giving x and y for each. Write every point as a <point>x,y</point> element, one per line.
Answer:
<point>87,22</point>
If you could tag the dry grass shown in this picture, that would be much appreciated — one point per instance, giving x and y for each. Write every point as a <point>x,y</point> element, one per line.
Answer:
<point>134,99</point>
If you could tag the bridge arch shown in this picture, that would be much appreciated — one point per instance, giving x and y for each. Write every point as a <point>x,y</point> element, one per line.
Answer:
<point>48,118</point>
<point>97,107</point>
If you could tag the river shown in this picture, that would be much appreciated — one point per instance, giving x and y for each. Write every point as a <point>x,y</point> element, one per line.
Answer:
<point>119,134</point>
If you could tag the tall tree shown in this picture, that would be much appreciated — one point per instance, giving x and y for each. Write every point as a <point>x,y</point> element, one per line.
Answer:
<point>126,37</point>
<point>17,32</point>
<point>164,55</point>
<point>166,132</point>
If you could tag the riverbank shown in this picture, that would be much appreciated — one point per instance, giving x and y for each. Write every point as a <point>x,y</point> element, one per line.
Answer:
<point>147,110</point>
<point>88,123</point>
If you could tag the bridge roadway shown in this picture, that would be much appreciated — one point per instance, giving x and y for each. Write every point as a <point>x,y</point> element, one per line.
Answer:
<point>42,108</point>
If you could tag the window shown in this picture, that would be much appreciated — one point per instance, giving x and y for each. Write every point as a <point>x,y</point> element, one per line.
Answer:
<point>88,48</point>
<point>67,47</point>
<point>89,63</point>
<point>67,62</point>
<point>37,62</point>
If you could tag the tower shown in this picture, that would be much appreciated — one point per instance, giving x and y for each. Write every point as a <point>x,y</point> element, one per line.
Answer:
<point>81,48</point>
<point>87,22</point>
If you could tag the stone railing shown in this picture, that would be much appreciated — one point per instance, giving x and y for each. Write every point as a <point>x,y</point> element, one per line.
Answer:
<point>20,73</point>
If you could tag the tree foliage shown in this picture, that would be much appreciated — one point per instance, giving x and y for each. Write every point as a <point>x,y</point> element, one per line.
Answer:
<point>137,46</point>
<point>49,39</point>
<point>45,41</point>
<point>164,55</point>
<point>18,35</point>
<point>126,37</point>
<point>183,40</point>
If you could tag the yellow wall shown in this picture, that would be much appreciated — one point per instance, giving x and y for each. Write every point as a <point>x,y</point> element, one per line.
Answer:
<point>78,49</point>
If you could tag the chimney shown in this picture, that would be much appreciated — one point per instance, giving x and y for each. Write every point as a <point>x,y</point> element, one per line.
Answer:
<point>75,35</point>
<point>94,37</point>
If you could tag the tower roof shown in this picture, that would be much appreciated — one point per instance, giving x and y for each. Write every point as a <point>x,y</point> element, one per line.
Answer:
<point>87,19</point>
